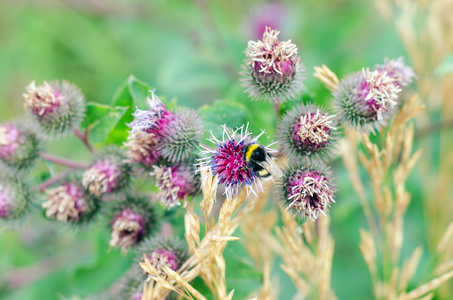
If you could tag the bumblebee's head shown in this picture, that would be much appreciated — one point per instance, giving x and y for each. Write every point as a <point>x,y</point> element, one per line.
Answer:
<point>254,152</point>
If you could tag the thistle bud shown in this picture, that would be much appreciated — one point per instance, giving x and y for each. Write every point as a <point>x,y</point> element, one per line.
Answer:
<point>131,220</point>
<point>182,135</point>
<point>272,71</point>
<point>142,148</point>
<point>163,252</point>
<point>14,201</point>
<point>69,203</point>
<point>108,174</point>
<point>307,189</point>
<point>307,131</point>
<point>176,182</point>
<point>58,106</point>
<point>19,146</point>
<point>365,100</point>
<point>401,74</point>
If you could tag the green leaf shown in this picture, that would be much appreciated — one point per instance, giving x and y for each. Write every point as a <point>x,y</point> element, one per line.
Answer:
<point>231,113</point>
<point>101,119</point>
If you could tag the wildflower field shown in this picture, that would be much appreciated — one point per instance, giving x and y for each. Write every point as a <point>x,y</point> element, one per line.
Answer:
<point>226,149</point>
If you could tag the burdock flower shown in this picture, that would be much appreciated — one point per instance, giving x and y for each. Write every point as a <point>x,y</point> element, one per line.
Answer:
<point>175,183</point>
<point>19,145</point>
<point>14,200</point>
<point>401,74</point>
<point>365,100</point>
<point>181,136</point>
<point>69,203</point>
<point>142,148</point>
<point>163,251</point>
<point>58,106</point>
<point>227,161</point>
<point>272,70</point>
<point>131,220</point>
<point>108,174</point>
<point>153,120</point>
<point>306,131</point>
<point>306,189</point>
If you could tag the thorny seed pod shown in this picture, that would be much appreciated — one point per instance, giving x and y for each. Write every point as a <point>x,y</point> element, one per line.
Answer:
<point>14,201</point>
<point>163,251</point>
<point>401,74</point>
<point>307,131</point>
<point>272,70</point>
<point>176,182</point>
<point>108,174</point>
<point>227,161</point>
<point>365,100</point>
<point>131,284</point>
<point>141,148</point>
<point>306,189</point>
<point>182,135</point>
<point>58,106</point>
<point>19,146</point>
<point>69,202</point>
<point>131,220</point>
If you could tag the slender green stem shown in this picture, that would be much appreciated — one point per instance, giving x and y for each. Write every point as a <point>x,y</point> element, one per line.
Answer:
<point>63,161</point>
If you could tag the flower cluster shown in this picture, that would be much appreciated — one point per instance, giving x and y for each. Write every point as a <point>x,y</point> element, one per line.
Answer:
<point>58,106</point>
<point>272,69</point>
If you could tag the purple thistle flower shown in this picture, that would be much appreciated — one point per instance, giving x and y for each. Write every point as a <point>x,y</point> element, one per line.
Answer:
<point>5,201</point>
<point>128,227</point>
<point>153,120</point>
<point>226,160</point>
<point>142,148</point>
<point>176,182</point>
<point>307,190</point>
<point>58,106</point>
<point>306,131</point>
<point>401,74</point>
<point>365,100</point>
<point>272,71</point>
<point>19,145</point>
<point>68,203</point>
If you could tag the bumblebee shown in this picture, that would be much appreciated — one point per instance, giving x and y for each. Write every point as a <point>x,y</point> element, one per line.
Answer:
<point>260,161</point>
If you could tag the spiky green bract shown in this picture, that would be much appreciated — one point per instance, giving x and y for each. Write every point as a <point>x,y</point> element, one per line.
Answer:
<point>181,135</point>
<point>306,188</point>
<point>163,251</point>
<point>69,202</point>
<point>20,145</point>
<point>131,218</point>
<point>365,100</point>
<point>131,284</point>
<point>58,106</point>
<point>272,70</point>
<point>109,173</point>
<point>15,201</point>
<point>308,131</point>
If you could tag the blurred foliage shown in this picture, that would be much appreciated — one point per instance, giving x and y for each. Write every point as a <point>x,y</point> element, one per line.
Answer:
<point>192,51</point>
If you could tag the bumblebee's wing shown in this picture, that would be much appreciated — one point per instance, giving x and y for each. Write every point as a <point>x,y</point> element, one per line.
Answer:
<point>270,166</point>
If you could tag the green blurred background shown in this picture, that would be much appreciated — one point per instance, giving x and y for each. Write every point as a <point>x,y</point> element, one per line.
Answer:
<point>190,50</point>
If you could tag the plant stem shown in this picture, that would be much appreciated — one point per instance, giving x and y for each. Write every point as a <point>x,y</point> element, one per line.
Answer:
<point>277,110</point>
<point>63,161</point>
<point>52,180</point>
<point>84,138</point>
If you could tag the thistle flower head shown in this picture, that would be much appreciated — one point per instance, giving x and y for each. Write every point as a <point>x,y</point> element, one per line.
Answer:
<point>272,71</point>
<point>401,74</point>
<point>176,182</point>
<point>142,148</point>
<point>306,189</point>
<point>153,120</point>
<point>108,174</point>
<point>131,284</point>
<point>163,252</point>
<point>226,160</point>
<point>19,145</point>
<point>182,135</point>
<point>69,203</point>
<point>306,131</point>
<point>14,200</point>
<point>131,220</point>
<point>366,100</point>
<point>58,106</point>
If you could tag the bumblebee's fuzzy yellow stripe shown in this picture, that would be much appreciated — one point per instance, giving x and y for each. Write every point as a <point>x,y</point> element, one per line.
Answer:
<point>250,150</point>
